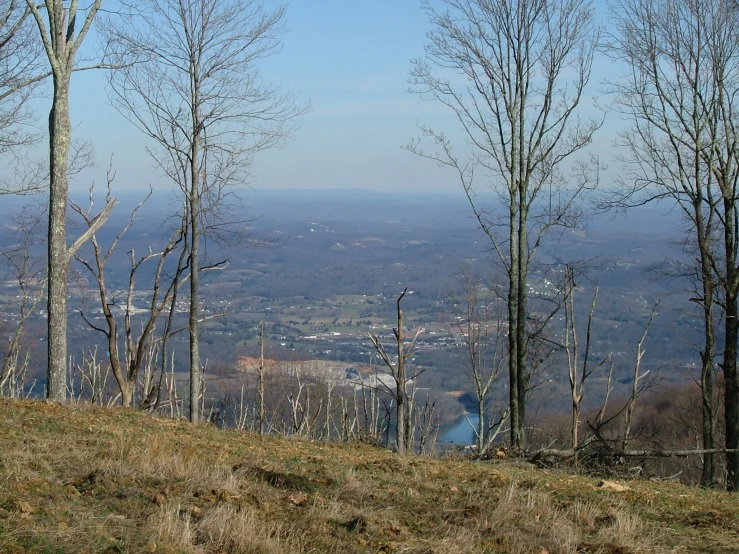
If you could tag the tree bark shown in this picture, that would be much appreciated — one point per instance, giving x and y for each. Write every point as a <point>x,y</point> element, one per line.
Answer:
<point>193,321</point>
<point>400,384</point>
<point>60,134</point>
<point>708,416</point>
<point>260,377</point>
<point>513,338</point>
<point>731,333</point>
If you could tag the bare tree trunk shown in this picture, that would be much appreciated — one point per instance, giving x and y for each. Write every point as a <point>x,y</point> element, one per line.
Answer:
<point>731,334</point>
<point>579,372</point>
<point>61,46</point>
<point>522,339</point>
<point>400,385</point>
<point>260,376</point>
<point>60,135</point>
<point>708,473</point>
<point>731,392</point>
<point>193,321</point>
<point>514,383</point>
<point>637,387</point>
<point>400,377</point>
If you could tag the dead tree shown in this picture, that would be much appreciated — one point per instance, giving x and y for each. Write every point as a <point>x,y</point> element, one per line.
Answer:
<point>400,376</point>
<point>578,371</point>
<point>260,380</point>
<point>597,444</point>
<point>638,383</point>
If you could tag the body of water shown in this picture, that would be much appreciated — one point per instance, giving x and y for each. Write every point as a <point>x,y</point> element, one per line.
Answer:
<point>460,430</point>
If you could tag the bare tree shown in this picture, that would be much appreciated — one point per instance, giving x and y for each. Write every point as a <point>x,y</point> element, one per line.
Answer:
<point>683,145</point>
<point>190,81</point>
<point>61,37</point>
<point>638,383</point>
<point>513,74</point>
<point>603,444</point>
<point>400,376</point>
<point>578,370</point>
<point>27,272</point>
<point>20,71</point>
<point>481,333</point>
<point>138,348</point>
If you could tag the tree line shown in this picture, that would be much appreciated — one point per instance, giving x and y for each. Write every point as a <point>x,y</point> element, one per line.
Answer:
<point>513,74</point>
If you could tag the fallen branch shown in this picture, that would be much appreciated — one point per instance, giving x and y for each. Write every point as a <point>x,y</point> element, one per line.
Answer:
<point>569,453</point>
<point>672,453</point>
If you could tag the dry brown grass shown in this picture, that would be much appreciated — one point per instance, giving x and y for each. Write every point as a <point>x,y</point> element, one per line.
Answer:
<point>82,479</point>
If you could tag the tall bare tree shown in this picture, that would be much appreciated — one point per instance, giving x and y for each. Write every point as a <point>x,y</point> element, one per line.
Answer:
<point>513,74</point>
<point>400,376</point>
<point>62,30</point>
<point>190,81</point>
<point>683,73</point>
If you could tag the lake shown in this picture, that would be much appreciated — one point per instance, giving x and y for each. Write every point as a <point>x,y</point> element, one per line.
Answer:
<point>460,431</point>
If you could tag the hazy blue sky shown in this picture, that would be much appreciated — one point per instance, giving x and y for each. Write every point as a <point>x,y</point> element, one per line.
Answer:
<point>350,59</point>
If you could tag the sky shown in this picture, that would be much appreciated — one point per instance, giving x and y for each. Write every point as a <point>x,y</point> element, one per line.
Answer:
<point>350,60</point>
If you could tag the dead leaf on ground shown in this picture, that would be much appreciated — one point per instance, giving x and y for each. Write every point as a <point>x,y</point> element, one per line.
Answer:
<point>611,486</point>
<point>298,499</point>
<point>25,508</point>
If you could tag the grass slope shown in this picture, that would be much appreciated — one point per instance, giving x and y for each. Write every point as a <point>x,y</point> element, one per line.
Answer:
<point>83,479</point>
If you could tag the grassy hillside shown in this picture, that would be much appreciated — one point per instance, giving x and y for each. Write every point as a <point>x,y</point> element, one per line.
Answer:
<point>82,479</point>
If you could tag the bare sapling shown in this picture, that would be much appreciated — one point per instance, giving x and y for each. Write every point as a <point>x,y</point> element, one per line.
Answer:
<point>400,376</point>
<point>88,380</point>
<point>578,371</point>
<point>638,383</point>
<point>481,334</point>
